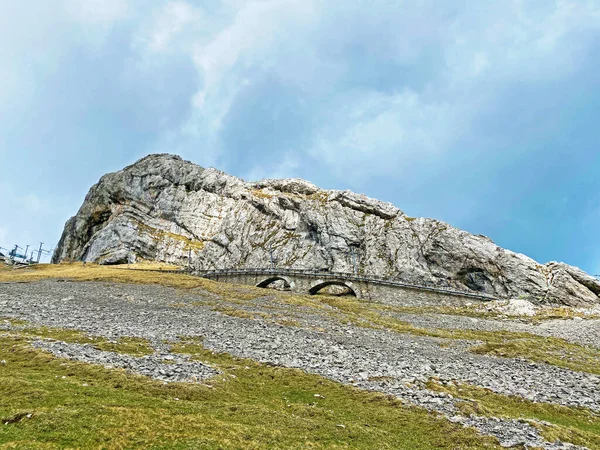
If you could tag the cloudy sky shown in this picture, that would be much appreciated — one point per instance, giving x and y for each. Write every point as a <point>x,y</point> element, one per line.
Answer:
<point>483,114</point>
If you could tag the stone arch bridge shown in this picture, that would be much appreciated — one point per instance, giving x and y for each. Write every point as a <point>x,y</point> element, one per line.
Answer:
<point>365,288</point>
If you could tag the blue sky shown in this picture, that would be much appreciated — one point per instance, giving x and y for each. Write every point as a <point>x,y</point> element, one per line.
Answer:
<point>481,114</point>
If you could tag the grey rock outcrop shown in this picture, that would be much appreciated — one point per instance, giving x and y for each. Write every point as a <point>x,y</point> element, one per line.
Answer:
<point>165,209</point>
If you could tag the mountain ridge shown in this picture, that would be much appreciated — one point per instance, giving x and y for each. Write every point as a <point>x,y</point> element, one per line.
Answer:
<point>165,208</point>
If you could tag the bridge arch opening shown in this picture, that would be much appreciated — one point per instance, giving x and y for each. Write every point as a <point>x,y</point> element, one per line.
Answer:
<point>336,288</point>
<point>276,282</point>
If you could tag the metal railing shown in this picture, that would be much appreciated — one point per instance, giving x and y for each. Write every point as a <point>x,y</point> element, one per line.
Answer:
<point>340,276</point>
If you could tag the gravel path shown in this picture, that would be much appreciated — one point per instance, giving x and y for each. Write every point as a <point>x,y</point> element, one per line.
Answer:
<point>396,364</point>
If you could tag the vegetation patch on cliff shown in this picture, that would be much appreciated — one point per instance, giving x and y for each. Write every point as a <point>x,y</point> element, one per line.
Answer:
<point>260,193</point>
<point>162,235</point>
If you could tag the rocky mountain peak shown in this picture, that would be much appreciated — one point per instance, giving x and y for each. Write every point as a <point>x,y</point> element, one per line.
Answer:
<point>167,209</point>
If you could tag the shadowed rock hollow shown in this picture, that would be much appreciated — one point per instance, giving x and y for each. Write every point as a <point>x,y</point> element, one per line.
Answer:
<point>164,208</point>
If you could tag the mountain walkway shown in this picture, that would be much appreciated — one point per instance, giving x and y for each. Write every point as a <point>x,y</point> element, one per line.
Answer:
<point>308,281</point>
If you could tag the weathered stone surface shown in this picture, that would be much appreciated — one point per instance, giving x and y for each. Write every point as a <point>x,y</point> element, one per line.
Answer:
<point>164,208</point>
<point>515,307</point>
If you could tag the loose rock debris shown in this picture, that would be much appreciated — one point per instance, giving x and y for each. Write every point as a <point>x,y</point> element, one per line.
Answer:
<point>379,360</point>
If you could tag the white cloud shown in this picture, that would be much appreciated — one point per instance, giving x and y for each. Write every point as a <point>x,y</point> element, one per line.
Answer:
<point>386,84</point>
<point>29,218</point>
<point>38,34</point>
<point>175,22</point>
<point>285,166</point>
<point>20,202</point>
<point>230,46</point>
<point>32,203</point>
<point>383,134</point>
<point>521,40</point>
<point>249,44</point>
<point>480,63</point>
<point>304,45</point>
<point>98,12</point>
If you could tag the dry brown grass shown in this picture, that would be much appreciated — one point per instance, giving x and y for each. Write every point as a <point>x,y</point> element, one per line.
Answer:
<point>116,274</point>
<point>261,194</point>
<point>161,235</point>
<point>148,265</point>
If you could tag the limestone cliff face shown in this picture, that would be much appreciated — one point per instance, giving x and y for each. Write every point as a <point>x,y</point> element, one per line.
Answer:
<point>164,208</point>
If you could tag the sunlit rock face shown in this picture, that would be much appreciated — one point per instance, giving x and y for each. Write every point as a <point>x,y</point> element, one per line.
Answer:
<point>163,208</point>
